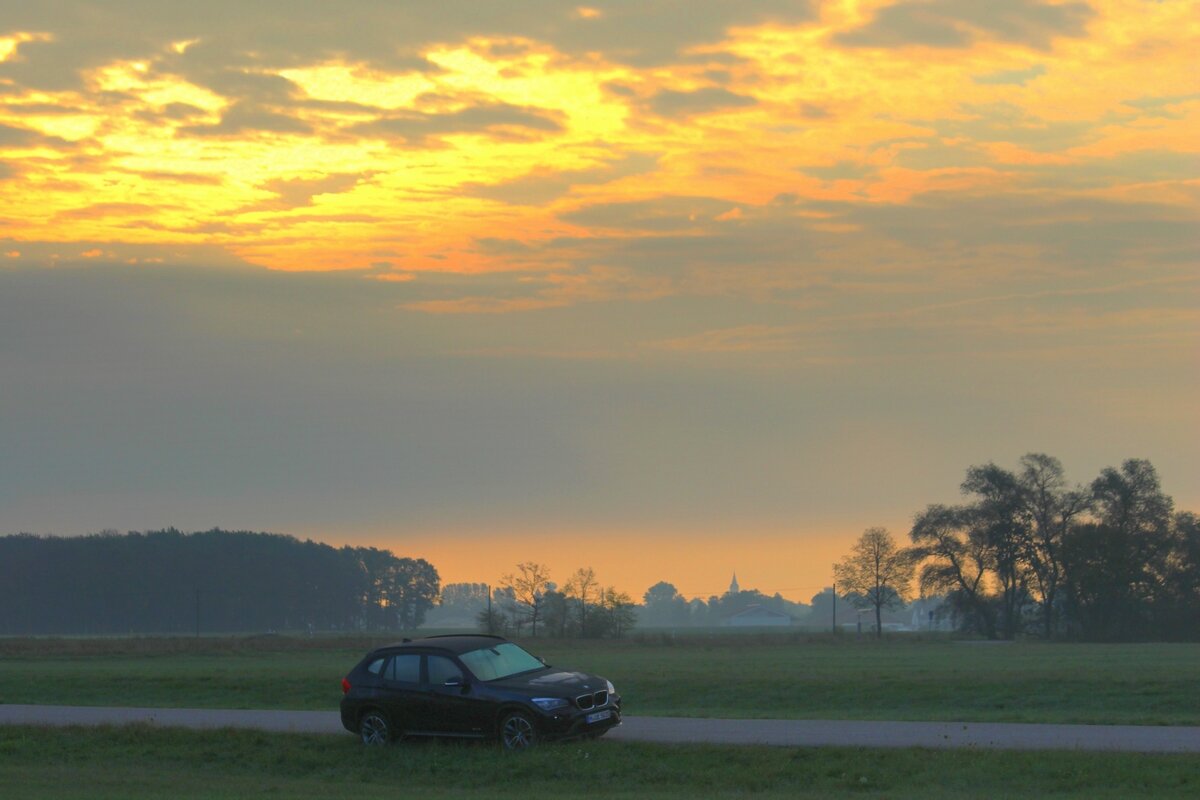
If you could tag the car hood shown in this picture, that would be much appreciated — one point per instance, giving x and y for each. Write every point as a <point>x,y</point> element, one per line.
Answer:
<point>554,682</point>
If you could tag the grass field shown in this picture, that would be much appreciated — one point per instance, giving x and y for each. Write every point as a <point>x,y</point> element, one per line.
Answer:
<point>746,676</point>
<point>137,762</point>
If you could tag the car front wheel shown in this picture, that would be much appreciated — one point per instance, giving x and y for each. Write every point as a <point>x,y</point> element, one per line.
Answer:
<point>374,728</point>
<point>517,732</point>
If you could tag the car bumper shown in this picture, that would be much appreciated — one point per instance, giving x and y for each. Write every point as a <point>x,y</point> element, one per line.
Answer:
<point>349,717</point>
<point>576,725</point>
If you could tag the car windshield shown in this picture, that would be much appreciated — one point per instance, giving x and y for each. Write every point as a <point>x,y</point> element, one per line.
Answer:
<point>500,661</point>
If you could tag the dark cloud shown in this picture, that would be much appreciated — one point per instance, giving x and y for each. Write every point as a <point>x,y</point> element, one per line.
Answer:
<point>620,89</point>
<point>500,120</point>
<point>105,210</point>
<point>12,136</point>
<point>192,178</point>
<point>248,86</point>
<point>1162,105</point>
<point>234,35</point>
<point>1143,166</point>
<point>934,154</point>
<point>172,112</point>
<point>538,188</point>
<point>814,111</point>
<point>958,23</point>
<point>1067,232</point>
<point>841,171</point>
<point>297,219</point>
<point>299,192</point>
<point>660,214</point>
<point>1006,122</point>
<point>246,118</point>
<point>1011,77</point>
<point>670,103</point>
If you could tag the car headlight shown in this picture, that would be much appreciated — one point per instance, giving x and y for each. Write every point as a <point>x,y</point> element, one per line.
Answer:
<point>611,689</point>
<point>550,703</point>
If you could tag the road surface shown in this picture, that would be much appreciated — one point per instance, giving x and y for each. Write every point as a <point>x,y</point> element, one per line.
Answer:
<point>789,733</point>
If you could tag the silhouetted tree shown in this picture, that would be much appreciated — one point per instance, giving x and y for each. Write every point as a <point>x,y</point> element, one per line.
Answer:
<point>1118,564</point>
<point>529,585</point>
<point>954,560</point>
<point>556,612</point>
<point>1051,509</point>
<point>617,611</point>
<point>583,589</point>
<point>664,606</point>
<point>998,513</point>
<point>877,573</point>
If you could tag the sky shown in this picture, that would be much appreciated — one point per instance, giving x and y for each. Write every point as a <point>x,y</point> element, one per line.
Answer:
<point>668,288</point>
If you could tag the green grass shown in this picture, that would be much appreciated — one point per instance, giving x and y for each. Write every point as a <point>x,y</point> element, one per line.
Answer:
<point>138,761</point>
<point>749,676</point>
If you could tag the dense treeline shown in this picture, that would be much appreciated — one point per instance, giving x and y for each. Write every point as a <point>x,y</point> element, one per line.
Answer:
<point>1028,553</point>
<point>216,581</point>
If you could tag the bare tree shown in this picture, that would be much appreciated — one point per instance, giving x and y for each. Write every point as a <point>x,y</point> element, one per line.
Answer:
<point>529,586</point>
<point>618,606</point>
<point>582,587</point>
<point>877,572</point>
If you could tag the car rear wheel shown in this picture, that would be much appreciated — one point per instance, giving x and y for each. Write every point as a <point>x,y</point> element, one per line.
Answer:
<point>517,732</point>
<point>374,728</point>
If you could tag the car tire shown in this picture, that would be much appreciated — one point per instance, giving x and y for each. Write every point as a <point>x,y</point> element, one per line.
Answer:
<point>374,728</point>
<point>518,732</point>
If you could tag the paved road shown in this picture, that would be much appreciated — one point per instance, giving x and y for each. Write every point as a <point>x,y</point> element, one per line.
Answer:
<point>791,733</point>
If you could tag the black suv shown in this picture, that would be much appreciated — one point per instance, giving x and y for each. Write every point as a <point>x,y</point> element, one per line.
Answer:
<point>473,686</point>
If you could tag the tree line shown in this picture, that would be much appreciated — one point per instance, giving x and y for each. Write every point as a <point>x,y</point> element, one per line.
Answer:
<point>215,581</point>
<point>528,603</point>
<point>1028,553</point>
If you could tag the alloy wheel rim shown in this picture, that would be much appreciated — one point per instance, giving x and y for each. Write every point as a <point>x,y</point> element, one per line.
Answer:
<point>518,733</point>
<point>374,729</point>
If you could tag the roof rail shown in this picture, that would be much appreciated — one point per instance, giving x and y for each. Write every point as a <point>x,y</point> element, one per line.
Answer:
<point>464,636</point>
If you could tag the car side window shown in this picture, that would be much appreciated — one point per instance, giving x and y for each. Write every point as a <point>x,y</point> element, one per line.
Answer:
<point>375,667</point>
<point>404,668</point>
<point>442,669</point>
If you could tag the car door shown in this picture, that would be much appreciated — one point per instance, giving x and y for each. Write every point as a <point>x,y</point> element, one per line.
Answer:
<point>402,693</point>
<point>453,702</point>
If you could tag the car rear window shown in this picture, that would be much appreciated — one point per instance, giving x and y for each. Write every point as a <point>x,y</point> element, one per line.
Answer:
<point>404,668</point>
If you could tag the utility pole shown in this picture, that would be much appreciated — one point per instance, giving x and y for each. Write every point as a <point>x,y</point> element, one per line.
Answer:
<point>490,622</point>
<point>834,621</point>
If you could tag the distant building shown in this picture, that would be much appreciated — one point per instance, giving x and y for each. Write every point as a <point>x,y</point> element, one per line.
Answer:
<point>733,585</point>
<point>757,616</point>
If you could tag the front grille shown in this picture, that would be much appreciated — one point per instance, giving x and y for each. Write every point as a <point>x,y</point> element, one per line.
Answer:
<point>586,701</point>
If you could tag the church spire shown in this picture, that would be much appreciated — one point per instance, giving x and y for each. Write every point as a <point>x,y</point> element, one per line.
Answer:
<point>733,584</point>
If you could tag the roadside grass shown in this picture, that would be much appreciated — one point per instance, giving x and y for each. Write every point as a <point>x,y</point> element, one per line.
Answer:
<point>140,762</point>
<point>749,676</point>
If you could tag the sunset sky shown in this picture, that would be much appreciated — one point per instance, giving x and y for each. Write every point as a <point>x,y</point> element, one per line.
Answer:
<point>668,288</point>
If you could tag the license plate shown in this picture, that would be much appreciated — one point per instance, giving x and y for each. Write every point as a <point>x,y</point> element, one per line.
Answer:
<point>599,715</point>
